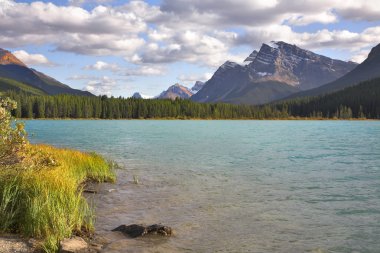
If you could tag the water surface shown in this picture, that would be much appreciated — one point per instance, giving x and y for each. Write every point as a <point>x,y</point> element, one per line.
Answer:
<point>235,186</point>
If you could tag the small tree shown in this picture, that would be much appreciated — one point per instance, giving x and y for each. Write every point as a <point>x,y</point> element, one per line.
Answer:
<point>12,134</point>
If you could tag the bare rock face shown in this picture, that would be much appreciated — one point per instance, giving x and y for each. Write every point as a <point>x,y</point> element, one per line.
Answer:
<point>197,86</point>
<point>73,245</point>
<point>278,70</point>
<point>7,57</point>
<point>367,70</point>
<point>176,91</point>
<point>136,230</point>
<point>251,57</point>
<point>295,66</point>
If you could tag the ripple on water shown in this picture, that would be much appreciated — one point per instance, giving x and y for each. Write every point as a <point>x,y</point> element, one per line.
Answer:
<point>235,186</point>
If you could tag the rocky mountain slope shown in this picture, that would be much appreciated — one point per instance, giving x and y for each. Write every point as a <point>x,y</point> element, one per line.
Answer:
<point>12,68</point>
<point>276,71</point>
<point>7,58</point>
<point>197,86</point>
<point>175,91</point>
<point>367,70</point>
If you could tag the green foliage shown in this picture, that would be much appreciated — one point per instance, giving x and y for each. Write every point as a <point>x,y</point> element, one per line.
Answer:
<point>12,139</point>
<point>9,207</point>
<point>102,107</point>
<point>360,101</point>
<point>10,84</point>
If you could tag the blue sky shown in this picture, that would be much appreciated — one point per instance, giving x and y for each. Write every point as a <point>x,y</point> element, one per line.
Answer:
<point>120,47</point>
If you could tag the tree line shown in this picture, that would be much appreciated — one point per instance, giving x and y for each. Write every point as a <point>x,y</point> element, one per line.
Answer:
<point>360,101</point>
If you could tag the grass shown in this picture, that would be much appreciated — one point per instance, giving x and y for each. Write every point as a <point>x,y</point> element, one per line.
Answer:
<point>41,196</point>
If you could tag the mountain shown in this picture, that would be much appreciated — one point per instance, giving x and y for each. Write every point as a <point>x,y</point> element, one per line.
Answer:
<point>9,84</point>
<point>7,58</point>
<point>367,70</point>
<point>12,68</point>
<point>275,72</point>
<point>197,86</point>
<point>137,95</point>
<point>175,91</point>
<point>251,57</point>
<point>357,101</point>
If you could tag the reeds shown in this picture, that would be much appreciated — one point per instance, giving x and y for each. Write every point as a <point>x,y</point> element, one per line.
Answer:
<point>42,196</point>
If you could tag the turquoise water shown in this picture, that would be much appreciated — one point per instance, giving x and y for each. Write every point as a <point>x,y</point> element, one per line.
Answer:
<point>235,186</point>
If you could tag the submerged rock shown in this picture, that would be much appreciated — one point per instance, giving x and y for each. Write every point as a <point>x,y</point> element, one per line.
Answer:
<point>73,245</point>
<point>136,230</point>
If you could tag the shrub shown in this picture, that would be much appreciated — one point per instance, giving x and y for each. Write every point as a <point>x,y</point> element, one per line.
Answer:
<point>12,135</point>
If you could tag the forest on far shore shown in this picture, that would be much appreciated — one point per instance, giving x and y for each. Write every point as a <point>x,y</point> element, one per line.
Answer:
<point>359,101</point>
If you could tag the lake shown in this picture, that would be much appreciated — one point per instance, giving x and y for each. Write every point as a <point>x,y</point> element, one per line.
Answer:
<point>234,186</point>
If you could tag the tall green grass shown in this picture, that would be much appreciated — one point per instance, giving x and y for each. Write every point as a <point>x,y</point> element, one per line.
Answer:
<point>42,196</point>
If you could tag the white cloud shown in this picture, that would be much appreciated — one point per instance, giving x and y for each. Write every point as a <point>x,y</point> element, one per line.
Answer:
<point>191,79</point>
<point>368,10</point>
<point>101,86</point>
<point>326,17</point>
<point>360,56</point>
<point>81,77</point>
<point>202,32</point>
<point>101,31</point>
<point>82,2</point>
<point>144,71</point>
<point>101,65</point>
<point>33,59</point>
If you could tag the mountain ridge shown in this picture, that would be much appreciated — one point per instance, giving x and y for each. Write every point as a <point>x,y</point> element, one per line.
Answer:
<point>14,69</point>
<point>367,70</point>
<point>280,65</point>
<point>6,57</point>
<point>175,91</point>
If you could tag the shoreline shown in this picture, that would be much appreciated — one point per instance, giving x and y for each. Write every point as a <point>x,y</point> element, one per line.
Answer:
<point>202,119</point>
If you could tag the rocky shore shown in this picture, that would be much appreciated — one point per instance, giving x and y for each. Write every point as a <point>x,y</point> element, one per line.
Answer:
<point>16,244</point>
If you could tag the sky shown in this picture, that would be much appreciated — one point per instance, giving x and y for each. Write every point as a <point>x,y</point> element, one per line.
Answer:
<point>117,47</point>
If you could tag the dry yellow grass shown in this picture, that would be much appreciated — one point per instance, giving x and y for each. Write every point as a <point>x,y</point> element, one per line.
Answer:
<point>41,197</point>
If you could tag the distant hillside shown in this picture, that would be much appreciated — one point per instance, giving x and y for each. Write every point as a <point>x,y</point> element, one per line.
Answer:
<point>367,70</point>
<point>358,101</point>
<point>13,69</point>
<point>9,84</point>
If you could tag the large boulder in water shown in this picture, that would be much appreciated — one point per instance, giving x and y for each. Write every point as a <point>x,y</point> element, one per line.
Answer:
<point>136,230</point>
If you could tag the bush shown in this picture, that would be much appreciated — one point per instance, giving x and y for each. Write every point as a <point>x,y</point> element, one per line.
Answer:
<point>12,135</point>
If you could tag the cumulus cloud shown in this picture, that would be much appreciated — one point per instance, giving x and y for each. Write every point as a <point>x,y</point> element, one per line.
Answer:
<point>100,31</point>
<point>144,71</point>
<point>81,77</point>
<point>191,79</point>
<point>368,10</point>
<point>101,86</point>
<point>326,17</point>
<point>360,56</point>
<point>203,32</point>
<point>82,2</point>
<point>101,65</point>
<point>33,59</point>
